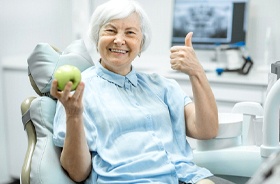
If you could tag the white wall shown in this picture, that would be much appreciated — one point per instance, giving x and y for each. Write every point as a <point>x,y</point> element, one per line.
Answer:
<point>23,25</point>
<point>264,15</point>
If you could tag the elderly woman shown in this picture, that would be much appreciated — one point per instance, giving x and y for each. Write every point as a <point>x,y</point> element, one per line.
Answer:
<point>123,126</point>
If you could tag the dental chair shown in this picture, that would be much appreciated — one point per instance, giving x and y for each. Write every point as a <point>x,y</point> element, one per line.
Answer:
<point>41,163</point>
<point>235,153</point>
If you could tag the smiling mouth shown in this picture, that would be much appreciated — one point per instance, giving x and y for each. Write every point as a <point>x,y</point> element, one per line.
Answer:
<point>118,51</point>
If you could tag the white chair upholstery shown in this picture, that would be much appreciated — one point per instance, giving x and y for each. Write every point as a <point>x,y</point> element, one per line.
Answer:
<point>41,164</point>
<point>44,157</point>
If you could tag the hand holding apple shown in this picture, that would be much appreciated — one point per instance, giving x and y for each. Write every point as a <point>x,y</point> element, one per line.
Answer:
<point>66,73</point>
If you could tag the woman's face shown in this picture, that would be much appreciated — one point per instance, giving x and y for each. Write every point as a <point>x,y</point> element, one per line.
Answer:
<point>119,43</point>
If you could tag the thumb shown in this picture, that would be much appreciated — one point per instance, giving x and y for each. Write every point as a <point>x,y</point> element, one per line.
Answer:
<point>188,39</point>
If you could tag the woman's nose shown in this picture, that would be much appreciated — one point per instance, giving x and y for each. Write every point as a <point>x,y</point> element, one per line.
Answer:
<point>119,39</point>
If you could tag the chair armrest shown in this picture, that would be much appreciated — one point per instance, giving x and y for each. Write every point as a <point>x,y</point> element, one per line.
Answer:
<point>31,135</point>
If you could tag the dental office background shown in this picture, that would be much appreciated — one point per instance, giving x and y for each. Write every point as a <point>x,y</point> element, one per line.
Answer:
<point>23,24</point>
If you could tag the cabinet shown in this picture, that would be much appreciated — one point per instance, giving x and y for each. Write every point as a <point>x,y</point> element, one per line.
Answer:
<point>4,175</point>
<point>230,88</point>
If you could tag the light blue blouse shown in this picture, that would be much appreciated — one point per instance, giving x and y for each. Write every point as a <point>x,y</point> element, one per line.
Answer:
<point>135,128</point>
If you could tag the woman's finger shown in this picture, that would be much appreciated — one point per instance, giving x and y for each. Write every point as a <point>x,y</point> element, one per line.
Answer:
<point>53,90</point>
<point>79,91</point>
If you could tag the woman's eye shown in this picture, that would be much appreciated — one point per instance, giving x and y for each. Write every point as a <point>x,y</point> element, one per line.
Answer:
<point>110,30</point>
<point>131,32</point>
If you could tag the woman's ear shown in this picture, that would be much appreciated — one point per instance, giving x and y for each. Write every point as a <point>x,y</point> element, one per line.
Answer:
<point>97,45</point>
<point>141,46</point>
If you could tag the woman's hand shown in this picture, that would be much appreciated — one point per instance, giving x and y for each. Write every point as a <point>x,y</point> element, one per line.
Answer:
<point>183,58</point>
<point>72,102</point>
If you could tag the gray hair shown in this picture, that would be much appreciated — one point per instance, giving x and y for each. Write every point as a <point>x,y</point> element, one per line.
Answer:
<point>119,9</point>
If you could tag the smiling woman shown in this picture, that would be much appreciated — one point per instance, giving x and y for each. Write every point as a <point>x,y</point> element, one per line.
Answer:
<point>124,126</point>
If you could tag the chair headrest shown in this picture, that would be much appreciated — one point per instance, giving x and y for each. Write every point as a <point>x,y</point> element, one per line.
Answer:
<point>45,59</point>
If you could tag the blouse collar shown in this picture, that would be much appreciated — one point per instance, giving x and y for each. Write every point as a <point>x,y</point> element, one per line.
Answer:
<point>116,78</point>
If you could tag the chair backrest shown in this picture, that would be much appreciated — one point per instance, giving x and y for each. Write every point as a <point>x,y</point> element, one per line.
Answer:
<point>41,164</point>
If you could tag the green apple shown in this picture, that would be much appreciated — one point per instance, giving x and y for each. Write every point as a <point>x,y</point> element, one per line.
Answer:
<point>66,73</point>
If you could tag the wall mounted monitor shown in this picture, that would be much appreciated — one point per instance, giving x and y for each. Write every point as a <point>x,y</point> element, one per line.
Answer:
<point>213,22</point>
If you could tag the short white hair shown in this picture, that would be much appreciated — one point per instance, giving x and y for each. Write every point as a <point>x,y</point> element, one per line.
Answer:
<point>119,9</point>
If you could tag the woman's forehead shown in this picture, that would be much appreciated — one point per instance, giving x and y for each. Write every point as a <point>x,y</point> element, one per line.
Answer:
<point>133,21</point>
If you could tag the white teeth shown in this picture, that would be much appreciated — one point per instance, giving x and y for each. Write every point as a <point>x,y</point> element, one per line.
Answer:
<point>119,51</point>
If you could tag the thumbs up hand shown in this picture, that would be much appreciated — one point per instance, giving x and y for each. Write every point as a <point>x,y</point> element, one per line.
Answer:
<point>183,58</point>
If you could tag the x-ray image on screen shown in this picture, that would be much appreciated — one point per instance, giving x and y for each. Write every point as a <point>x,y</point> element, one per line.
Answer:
<point>210,22</point>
